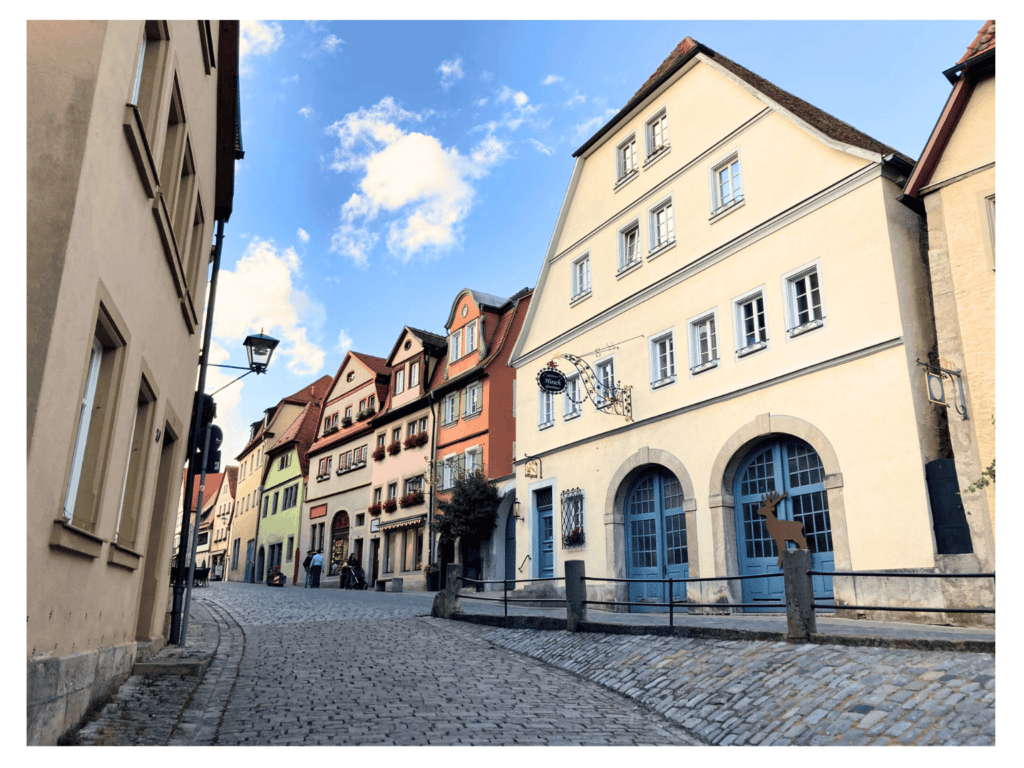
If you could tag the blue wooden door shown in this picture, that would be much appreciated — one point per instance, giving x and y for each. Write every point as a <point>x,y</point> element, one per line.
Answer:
<point>510,550</point>
<point>781,466</point>
<point>250,549</point>
<point>655,539</point>
<point>545,534</point>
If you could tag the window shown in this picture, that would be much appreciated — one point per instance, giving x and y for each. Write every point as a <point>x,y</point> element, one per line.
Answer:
<point>399,381</point>
<point>572,403</point>
<point>629,246</point>
<point>470,337</point>
<point>320,536</point>
<point>392,490</point>
<point>455,346</point>
<point>396,434</point>
<point>376,495</point>
<point>451,408</point>
<point>703,343</point>
<point>204,538</point>
<point>135,473</point>
<point>572,518</point>
<point>726,190</point>
<point>663,228</point>
<point>546,414</point>
<point>625,157</point>
<point>751,329</point>
<point>266,505</point>
<point>149,71</point>
<point>414,374</point>
<point>360,519</point>
<point>235,547</point>
<point>102,382</point>
<point>362,404</point>
<point>273,508</point>
<point>448,473</point>
<point>291,497</point>
<point>581,276</point>
<point>605,371</point>
<point>370,401</point>
<point>410,429</point>
<point>803,293</point>
<point>472,460</point>
<point>657,134</point>
<point>414,484</point>
<point>473,403</point>
<point>284,461</point>
<point>423,424</point>
<point>663,360</point>
<point>291,549</point>
<point>348,412</point>
<point>380,440</point>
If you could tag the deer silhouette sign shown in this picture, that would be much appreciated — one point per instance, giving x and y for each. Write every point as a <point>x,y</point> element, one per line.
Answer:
<point>780,530</point>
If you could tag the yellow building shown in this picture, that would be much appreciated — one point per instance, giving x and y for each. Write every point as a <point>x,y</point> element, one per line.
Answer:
<point>132,137</point>
<point>743,301</point>
<point>954,185</point>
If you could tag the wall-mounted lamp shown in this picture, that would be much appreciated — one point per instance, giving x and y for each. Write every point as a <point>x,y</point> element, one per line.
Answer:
<point>515,510</point>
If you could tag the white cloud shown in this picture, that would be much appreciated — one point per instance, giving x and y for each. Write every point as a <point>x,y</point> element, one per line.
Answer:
<point>292,79</point>
<point>306,112</point>
<point>257,38</point>
<point>586,129</point>
<point>482,102</point>
<point>303,235</point>
<point>330,42</point>
<point>260,294</point>
<point>315,25</point>
<point>552,79</point>
<point>521,110</point>
<point>486,76</point>
<point>451,71</point>
<point>577,98</point>
<point>344,343</point>
<point>410,178</point>
<point>542,148</point>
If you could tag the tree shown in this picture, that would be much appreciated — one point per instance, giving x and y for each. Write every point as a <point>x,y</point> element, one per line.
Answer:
<point>471,513</point>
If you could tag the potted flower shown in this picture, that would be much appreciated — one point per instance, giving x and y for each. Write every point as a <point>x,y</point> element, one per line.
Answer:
<point>411,499</point>
<point>575,538</point>
<point>433,575</point>
<point>346,421</point>
<point>415,441</point>
<point>374,509</point>
<point>365,413</point>
<point>378,453</point>
<point>395,447</point>
<point>389,505</point>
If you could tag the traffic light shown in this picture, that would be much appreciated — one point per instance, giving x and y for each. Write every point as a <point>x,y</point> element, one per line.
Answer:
<point>208,412</point>
<point>213,452</point>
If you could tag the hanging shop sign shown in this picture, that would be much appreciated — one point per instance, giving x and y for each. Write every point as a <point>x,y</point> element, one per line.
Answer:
<point>551,380</point>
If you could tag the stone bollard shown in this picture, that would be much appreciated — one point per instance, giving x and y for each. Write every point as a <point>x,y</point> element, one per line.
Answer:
<point>799,594</point>
<point>396,585</point>
<point>575,594</point>
<point>446,602</point>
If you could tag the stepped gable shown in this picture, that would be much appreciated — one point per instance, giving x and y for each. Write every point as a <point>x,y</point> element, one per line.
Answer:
<point>985,41</point>
<point>829,125</point>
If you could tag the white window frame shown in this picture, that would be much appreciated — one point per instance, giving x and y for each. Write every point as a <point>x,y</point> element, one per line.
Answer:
<point>545,409</point>
<point>447,479</point>
<point>697,362</point>
<point>400,381</point>
<point>627,167</point>
<point>451,408</point>
<point>455,346</point>
<point>657,379</point>
<point>474,392</point>
<point>624,264</point>
<point>718,207</point>
<point>656,152</point>
<point>743,348</point>
<point>471,340</point>
<point>570,408</point>
<point>657,247</point>
<point>81,438</point>
<point>414,374</point>
<point>790,286</point>
<point>581,283</point>
<point>600,384</point>
<point>477,463</point>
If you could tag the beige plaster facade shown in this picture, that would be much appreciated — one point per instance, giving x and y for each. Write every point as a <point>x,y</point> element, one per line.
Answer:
<point>129,167</point>
<point>818,199</point>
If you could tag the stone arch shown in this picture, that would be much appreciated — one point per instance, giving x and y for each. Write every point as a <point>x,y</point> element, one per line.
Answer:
<point>723,473</point>
<point>614,515</point>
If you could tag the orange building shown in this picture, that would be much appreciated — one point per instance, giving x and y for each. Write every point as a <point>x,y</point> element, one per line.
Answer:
<point>475,390</point>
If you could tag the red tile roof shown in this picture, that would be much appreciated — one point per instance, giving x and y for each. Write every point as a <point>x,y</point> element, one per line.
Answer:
<point>817,118</point>
<point>985,40</point>
<point>320,387</point>
<point>213,482</point>
<point>300,433</point>
<point>375,364</point>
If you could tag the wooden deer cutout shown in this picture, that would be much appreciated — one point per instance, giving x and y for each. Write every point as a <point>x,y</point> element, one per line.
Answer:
<point>780,530</point>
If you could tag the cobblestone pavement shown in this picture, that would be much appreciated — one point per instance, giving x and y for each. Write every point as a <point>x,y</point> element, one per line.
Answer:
<point>330,667</point>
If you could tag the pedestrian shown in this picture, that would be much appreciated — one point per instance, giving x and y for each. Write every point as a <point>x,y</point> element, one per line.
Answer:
<point>349,569</point>
<point>305,566</point>
<point>315,566</point>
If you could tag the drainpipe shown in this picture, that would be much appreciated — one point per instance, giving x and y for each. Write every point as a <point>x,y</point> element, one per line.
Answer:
<point>436,429</point>
<point>193,438</point>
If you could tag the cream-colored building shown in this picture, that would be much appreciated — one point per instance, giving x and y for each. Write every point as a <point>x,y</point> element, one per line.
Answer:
<point>954,185</point>
<point>746,301</point>
<point>220,523</point>
<point>132,137</point>
<point>263,436</point>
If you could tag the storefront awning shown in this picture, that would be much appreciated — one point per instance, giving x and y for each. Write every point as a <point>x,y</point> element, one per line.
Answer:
<point>406,522</point>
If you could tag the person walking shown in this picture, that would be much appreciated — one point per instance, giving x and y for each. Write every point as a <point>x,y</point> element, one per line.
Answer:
<point>315,566</point>
<point>305,567</point>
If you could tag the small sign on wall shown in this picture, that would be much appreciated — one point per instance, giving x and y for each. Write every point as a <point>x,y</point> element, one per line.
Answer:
<point>375,525</point>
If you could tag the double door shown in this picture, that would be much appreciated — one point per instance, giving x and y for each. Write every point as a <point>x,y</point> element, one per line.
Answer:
<point>655,540</point>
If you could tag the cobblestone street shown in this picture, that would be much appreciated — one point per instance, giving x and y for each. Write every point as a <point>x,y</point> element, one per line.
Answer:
<point>328,667</point>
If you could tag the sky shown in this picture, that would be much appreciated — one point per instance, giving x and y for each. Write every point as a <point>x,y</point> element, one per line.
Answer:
<point>388,165</point>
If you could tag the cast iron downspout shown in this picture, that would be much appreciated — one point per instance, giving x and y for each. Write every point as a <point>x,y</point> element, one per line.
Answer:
<point>436,429</point>
<point>193,439</point>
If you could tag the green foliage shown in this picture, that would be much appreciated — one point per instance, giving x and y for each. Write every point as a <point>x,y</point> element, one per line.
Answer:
<point>987,476</point>
<point>471,513</point>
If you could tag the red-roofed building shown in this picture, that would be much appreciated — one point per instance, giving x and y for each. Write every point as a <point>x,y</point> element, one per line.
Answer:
<point>334,517</point>
<point>219,522</point>
<point>954,185</point>
<point>477,426</point>
<point>210,491</point>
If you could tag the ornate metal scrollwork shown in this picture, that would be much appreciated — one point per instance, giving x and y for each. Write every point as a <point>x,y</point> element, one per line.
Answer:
<point>606,397</point>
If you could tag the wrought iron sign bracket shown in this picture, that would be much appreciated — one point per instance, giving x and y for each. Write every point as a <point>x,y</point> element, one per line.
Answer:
<point>608,398</point>
<point>934,374</point>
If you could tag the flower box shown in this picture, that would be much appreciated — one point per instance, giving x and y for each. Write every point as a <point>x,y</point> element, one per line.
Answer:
<point>378,454</point>
<point>415,441</point>
<point>365,413</point>
<point>394,448</point>
<point>411,499</point>
<point>331,430</point>
<point>346,421</point>
<point>574,539</point>
<point>374,509</point>
<point>389,505</point>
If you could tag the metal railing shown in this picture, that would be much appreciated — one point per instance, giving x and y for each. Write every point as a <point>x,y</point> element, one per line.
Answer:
<point>505,598</point>
<point>883,574</point>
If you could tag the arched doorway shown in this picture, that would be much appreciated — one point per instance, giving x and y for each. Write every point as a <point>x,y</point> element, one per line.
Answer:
<point>339,542</point>
<point>656,546</point>
<point>260,560</point>
<point>790,466</point>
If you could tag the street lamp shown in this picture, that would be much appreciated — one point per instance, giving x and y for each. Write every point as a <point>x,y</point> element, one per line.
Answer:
<point>259,348</point>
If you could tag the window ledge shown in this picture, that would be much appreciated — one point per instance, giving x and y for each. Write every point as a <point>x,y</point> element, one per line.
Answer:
<point>163,226</point>
<point>571,416</point>
<point>801,329</point>
<point>546,425</point>
<point>75,540</point>
<point>469,416</point>
<point>725,210</point>
<point>620,183</point>
<point>704,367</point>
<point>123,557</point>
<point>579,298</point>
<point>655,156</point>
<point>136,136</point>
<point>625,270</point>
<point>656,252</point>
<point>751,349</point>
<point>663,382</point>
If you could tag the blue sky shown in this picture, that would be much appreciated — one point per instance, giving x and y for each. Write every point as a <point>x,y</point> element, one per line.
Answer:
<point>388,165</point>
